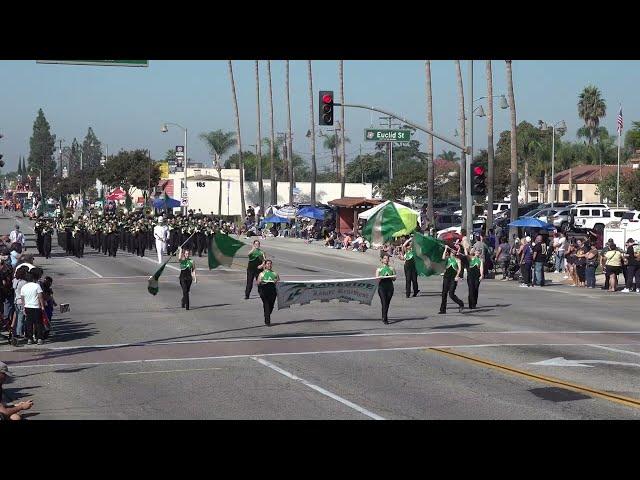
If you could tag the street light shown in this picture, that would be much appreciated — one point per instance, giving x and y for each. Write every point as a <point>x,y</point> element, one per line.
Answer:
<point>165,129</point>
<point>562,128</point>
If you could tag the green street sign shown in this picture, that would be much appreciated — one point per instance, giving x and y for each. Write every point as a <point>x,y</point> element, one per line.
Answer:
<point>117,63</point>
<point>386,135</point>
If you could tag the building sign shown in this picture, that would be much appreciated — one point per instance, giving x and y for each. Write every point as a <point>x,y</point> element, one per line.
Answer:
<point>359,290</point>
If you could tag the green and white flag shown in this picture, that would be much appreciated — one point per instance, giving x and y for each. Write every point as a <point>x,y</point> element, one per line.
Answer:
<point>428,255</point>
<point>152,286</point>
<point>381,227</point>
<point>222,250</point>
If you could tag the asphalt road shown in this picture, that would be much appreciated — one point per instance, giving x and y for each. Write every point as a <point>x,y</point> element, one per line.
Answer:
<point>120,353</point>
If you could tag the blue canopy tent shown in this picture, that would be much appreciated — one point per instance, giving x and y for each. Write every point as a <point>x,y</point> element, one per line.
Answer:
<point>312,212</point>
<point>527,222</point>
<point>274,219</point>
<point>166,203</point>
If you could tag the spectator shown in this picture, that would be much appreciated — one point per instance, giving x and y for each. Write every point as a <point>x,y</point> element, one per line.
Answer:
<point>503,257</point>
<point>613,264</point>
<point>49,301</point>
<point>526,259</point>
<point>8,412</point>
<point>15,253</point>
<point>34,306</point>
<point>17,325</point>
<point>592,263</point>
<point>17,236</point>
<point>559,241</point>
<point>581,263</point>
<point>540,253</point>
<point>633,267</point>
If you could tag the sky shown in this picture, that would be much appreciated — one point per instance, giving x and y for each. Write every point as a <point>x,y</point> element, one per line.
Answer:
<point>127,106</point>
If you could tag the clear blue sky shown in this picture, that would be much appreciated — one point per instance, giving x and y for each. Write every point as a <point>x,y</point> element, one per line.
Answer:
<point>127,106</point>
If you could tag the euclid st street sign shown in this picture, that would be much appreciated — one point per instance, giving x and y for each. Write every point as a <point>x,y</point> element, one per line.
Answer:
<point>386,135</point>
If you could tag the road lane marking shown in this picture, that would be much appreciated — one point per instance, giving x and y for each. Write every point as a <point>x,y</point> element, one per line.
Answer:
<point>171,371</point>
<point>85,267</point>
<point>627,401</point>
<point>563,362</point>
<point>321,390</point>
<point>637,354</point>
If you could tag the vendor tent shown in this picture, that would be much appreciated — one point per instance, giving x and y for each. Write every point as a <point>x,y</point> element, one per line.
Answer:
<point>274,219</point>
<point>410,217</point>
<point>312,212</point>
<point>117,194</point>
<point>166,202</point>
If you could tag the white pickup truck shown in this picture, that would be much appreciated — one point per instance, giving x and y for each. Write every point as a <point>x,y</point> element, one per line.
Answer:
<point>593,216</point>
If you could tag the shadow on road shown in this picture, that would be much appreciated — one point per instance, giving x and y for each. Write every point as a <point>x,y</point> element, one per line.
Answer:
<point>456,325</point>
<point>64,330</point>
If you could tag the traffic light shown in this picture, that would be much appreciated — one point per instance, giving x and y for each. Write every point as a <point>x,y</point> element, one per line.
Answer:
<point>478,180</point>
<point>326,107</point>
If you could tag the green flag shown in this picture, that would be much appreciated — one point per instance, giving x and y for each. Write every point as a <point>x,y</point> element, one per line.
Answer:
<point>222,250</point>
<point>152,287</point>
<point>383,225</point>
<point>428,254</point>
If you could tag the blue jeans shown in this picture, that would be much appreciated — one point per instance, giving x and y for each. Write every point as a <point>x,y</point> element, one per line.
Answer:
<point>538,273</point>
<point>19,321</point>
<point>590,276</point>
<point>560,261</point>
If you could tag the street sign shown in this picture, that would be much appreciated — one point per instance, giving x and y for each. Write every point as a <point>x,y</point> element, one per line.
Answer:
<point>386,135</point>
<point>179,151</point>
<point>112,63</point>
<point>184,200</point>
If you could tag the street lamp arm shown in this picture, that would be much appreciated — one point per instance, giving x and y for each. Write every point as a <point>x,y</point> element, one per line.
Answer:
<point>176,125</point>
<point>411,124</point>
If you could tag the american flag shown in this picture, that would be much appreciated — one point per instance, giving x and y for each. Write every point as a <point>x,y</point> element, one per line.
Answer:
<point>620,122</point>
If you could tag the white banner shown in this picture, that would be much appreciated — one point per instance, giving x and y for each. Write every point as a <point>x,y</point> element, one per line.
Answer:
<point>351,290</point>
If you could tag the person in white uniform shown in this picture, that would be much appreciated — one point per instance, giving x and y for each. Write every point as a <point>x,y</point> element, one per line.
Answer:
<point>16,236</point>
<point>161,234</point>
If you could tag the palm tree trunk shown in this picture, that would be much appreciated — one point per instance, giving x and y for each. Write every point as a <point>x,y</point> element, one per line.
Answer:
<point>490,159</point>
<point>342,156</point>
<point>526,180</point>
<point>313,136</point>
<point>430,159</point>
<point>235,106</point>
<point>289,142</point>
<point>218,159</point>
<point>463,156</point>
<point>259,143</point>
<point>514,149</point>
<point>274,186</point>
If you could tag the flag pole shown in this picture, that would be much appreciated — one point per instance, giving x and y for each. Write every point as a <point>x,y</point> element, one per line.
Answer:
<point>618,176</point>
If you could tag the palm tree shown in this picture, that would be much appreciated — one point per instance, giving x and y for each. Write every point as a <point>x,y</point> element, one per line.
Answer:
<point>312,137</point>
<point>274,186</point>
<point>449,156</point>
<point>259,143</point>
<point>463,163</point>
<point>332,143</point>
<point>514,149</point>
<point>342,156</point>
<point>235,106</point>
<point>591,108</point>
<point>490,159</point>
<point>430,179</point>
<point>218,143</point>
<point>289,143</point>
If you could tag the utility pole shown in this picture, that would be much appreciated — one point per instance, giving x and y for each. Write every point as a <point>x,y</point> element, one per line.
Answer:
<point>361,168</point>
<point>390,145</point>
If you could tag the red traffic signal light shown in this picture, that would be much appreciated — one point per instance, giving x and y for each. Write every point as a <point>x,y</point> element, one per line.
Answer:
<point>325,110</point>
<point>478,170</point>
<point>478,182</point>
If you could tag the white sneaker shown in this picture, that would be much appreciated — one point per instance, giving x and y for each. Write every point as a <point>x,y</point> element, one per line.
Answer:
<point>522,285</point>
<point>565,277</point>
<point>557,271</point>
<point>625,290</point>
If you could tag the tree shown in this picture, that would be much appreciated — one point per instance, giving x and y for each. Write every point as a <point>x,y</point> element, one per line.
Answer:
<point>490,152</point>
<point>312,137</point>
<point>91,150</point>
<point>343,159</point>
<point>513,148</point>
<point>74,157</point>
<point>332,143</point>
<point>218,143</point>
<point>461,126</point>
<point>128,170</point>
<point>272,168</point>
<point>430,158</point>
<point>632,139</point>
<point>41,148</point>
<point>450,156</point>
<point>239,139</point>
<point>170,155</point>
<point>259,142</point>
<point>591,108</point>
<point>629,188</point>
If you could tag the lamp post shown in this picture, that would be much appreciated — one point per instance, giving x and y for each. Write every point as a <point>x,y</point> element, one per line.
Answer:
<point>562,127</point>
<point>165,129</point>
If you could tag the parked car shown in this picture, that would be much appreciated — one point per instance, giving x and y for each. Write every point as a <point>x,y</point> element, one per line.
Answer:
<point>588,216</point>
<point>560,219</point>
<point>544,214</point>
<point>630,217</point>
<point>443,220</point>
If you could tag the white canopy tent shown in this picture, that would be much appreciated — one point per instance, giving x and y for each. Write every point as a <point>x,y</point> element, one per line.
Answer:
<point>366,215</point>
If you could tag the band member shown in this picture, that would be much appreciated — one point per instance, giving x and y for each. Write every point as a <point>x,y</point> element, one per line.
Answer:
<point>187,276</point>
<point>474,275</point>
<point>410,272</point>
<point>452,272</point>
<point>267,280</point>
<point>161,234</point>
<point>256,260</point>
<point>46,233</point>
<point>387,276</point>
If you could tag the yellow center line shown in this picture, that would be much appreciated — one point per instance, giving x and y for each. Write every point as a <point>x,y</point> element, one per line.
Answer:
<point>627,401</point>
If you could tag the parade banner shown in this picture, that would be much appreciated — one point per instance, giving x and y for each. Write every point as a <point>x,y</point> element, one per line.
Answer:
<point>359,290</point>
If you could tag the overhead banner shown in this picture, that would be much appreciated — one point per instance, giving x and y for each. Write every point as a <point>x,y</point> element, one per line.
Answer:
<point>359,290</point>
